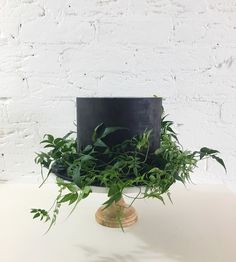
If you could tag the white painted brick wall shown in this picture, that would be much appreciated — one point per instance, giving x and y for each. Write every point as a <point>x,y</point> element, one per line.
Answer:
<point>52,51</point>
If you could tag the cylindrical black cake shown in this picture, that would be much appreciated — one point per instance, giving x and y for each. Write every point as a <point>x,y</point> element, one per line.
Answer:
<point>135,114</point>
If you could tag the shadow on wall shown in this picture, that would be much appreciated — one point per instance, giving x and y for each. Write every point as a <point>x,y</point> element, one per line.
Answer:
<point>199,227</point>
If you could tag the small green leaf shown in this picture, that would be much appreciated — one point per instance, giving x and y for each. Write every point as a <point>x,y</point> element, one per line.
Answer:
<point>87,149</point>
<point>50,138</point>
<point>155,195</point>
<point>76,176</point>
<point>71,187</point>
<point>155,170</point>
<point>68,134</point>
<point>113,190</point>
<point>49,145</point>
<point>57,140</point>
<point>179,178</point>
<point>158,151</point>
<point>208,150</point>
<point>84,158</point>
<point>45,141</point>
<point>100,143</point>
<point>220,161</point>
<point>205,151</point>
<point>97,132</point>
<point>59,181</point>
<point>86,191</point>
<point>152,178</point>
<point>114,198</point>
<point>36,215</point>
<point>74,197</point>
<point>66,198</point>
<point>110,130</point>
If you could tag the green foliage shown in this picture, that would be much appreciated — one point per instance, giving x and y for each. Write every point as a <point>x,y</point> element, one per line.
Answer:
<point>116,167</point>
<point>73,196</point>
<point>62,150</point>
<point>41,213</point>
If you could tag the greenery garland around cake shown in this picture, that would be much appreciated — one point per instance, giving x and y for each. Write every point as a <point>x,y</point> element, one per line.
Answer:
<point>116,167</point>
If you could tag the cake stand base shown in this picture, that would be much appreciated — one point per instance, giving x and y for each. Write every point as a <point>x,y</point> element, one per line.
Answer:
<point>119,214</point>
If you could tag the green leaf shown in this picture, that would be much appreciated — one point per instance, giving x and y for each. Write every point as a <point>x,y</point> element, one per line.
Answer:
<point>87,149</point>
<point>97,132</point>
<point>152,178</point>
<point>74,197</point>
<point>114,198</point>
<point>170,129</point>
<point>45,141</point>
<point>85,158</point>
<point>113,190</point>
<point>50,138</point>
<point>155,170</point>
<point>86,191</point>
<point>36,215</point>
<point>179,178</point>
<point>49,145</point>
<point>76,176</point>
<point>71,187</point>
<point>110,130</point>
<point>57,140</point>
<point>100,143</point>
<point>60,181</point>
<point>220,161</point>
<point>67,197</point>
<point>175,137</point>
<point>209,151</point>
<point>70,197</point>
<point>155,195</point>
<point>68,134</point>
<point>158,151</point>
<point>205,151</point>
<point>114,195</point>
<point>83,194</point>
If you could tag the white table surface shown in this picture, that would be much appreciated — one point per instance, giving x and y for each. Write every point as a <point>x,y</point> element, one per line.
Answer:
<point>199,227</point>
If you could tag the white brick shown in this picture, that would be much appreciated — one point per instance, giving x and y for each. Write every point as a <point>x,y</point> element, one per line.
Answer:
<point>43,62</point>
<point>31,11</point>
<point>198,123</point>
<point>45,111</point>
<point>12,85</point>
<point>10,59</point>
<point>67,30</point>
<point>157,7</point>
<point>135,31</point>
<point>95,59</point>
<point>228,113</point>
<point>222,6</point>
<point>74,84</point>
<point>205,85</point>
<point>88,9</point>
<point>183,28</point>
<point>131,84</point>
<point>191,58</point>
<point>9,30</point>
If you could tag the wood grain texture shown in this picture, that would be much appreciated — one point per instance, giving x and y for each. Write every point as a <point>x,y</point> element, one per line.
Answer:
<point>117,215</point>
